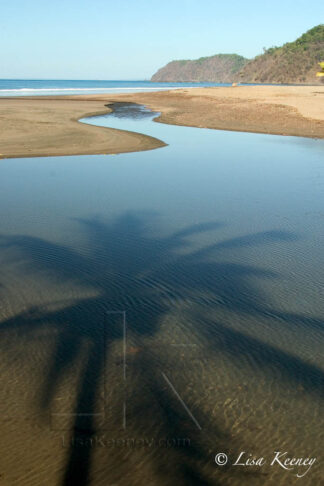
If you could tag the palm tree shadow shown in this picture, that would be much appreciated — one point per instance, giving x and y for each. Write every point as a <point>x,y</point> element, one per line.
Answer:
<point>146,276</point>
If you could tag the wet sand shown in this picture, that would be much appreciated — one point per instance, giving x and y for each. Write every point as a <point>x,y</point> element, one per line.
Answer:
<point>279,110</point>
<point>213,248</point>
<point>41,127</point>
<point>48,126</point>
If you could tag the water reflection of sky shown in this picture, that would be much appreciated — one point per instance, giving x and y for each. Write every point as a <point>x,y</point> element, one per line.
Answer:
<point>215,240</point>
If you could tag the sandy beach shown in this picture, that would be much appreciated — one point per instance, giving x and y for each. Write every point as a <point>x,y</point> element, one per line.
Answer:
<point>42,127</point>
<point>48,126</point>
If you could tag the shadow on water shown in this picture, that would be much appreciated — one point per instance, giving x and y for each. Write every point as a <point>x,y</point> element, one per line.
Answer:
<point>146,276</point>
<point>131,111</point>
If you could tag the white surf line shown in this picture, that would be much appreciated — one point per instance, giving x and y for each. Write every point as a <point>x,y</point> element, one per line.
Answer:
<point>23,90</point>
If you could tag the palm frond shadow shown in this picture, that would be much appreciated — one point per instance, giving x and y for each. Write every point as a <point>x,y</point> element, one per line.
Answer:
<point>131,270</point>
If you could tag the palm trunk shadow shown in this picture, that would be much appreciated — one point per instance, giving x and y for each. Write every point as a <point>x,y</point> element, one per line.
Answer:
<point>119,274</point>
<point>78,464</point>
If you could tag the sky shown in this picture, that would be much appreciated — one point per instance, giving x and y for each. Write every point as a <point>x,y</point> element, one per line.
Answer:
<point>131,39</point>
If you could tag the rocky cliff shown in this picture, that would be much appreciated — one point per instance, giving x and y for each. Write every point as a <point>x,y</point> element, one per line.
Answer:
<point>220,68</point>
<point>293,63</point>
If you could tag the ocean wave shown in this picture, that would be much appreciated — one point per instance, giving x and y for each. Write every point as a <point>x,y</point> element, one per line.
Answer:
<point>19,90</point>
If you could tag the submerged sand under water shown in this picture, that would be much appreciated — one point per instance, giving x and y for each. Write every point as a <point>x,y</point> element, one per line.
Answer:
<point>160,308</point>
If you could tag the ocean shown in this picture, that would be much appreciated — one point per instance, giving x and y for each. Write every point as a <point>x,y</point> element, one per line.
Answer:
<point>45,87</point>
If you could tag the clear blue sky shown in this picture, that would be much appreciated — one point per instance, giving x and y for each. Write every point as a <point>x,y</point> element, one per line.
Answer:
<point>131,39</point>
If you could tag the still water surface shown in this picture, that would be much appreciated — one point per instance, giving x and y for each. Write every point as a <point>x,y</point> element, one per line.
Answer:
<point>160,307</point>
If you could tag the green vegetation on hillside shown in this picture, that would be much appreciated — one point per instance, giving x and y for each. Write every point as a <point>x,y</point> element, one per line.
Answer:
<point>294,62</point>
<point>217,68</point>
